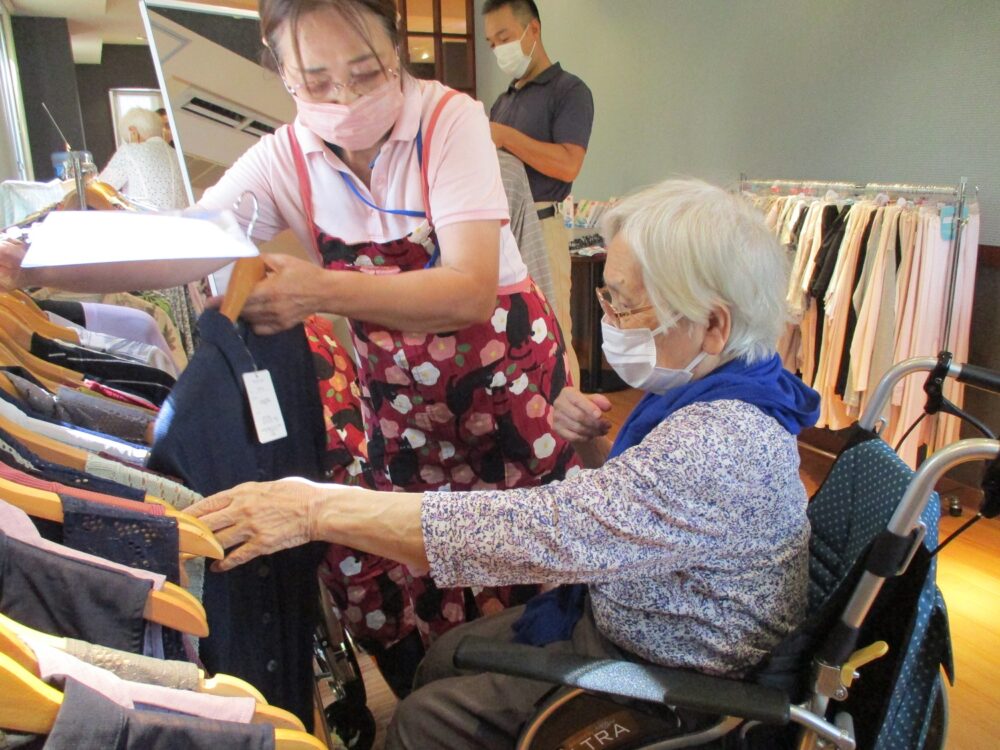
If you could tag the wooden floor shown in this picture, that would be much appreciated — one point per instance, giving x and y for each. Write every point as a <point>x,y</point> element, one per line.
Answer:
<point>969,576</point>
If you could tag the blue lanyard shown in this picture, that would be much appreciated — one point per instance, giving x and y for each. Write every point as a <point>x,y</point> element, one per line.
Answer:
<point>435,256</point>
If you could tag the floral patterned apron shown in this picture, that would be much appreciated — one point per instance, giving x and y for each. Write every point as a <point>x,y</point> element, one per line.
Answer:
<point>461,410</point>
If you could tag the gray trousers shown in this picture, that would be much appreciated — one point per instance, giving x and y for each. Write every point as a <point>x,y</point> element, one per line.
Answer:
<point>458,710</point>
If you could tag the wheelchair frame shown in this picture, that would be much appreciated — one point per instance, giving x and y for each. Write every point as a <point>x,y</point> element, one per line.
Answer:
<point>835,663</point>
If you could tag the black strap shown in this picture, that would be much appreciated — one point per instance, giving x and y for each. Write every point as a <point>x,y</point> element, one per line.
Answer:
<point>546,213</point>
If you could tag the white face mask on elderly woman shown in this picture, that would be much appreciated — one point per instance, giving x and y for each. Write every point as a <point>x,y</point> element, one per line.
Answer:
<point>358,125</point>
<point>631,353</point>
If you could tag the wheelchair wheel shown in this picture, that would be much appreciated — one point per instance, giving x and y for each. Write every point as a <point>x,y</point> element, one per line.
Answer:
<point>354,727</point>
<point>937,729</point>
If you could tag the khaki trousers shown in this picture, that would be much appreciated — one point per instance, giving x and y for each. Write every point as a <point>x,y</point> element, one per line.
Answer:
<point>557,242</point>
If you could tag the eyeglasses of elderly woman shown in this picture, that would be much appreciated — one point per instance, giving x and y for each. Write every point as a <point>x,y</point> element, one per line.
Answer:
<point>320,87</point>
<point>616,316</point>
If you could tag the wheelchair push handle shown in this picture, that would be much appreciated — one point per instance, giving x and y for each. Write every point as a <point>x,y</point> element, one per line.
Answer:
<point>979,377</point>
<point>943,366</point>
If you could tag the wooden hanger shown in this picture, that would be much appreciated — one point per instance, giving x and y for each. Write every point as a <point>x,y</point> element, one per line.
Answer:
<point>171,606</point>
<point>15,328</point>
<point>36,320</point>
<point>10,359</point>
<point>279,718</point>
<point>178,609</point>
<point>22,663</point>
<point>16,340</point>
<point>194,538</point>
<point>246,273</point>
<point>201,542</point>
<point>99,196</point>
<point>15,637</point>
<point>228,686</point>
<point>28,705</point>
<point>22,296</point>
<point>7,387</point>
<point>12,645</point>
<point>51,450</point>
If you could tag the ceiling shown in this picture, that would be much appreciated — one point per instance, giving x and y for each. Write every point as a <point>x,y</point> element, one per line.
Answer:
<point>94,23</point>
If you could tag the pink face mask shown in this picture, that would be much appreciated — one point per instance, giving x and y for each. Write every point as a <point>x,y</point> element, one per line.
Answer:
<point>358,125</point>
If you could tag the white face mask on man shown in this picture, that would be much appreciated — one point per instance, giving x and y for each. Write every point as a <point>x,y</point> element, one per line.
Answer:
<point>631,353</point>
<point>511,58</point>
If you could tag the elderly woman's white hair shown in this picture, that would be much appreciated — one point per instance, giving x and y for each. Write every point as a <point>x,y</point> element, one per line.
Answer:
<point>701,247</point>
<point>145,121</point>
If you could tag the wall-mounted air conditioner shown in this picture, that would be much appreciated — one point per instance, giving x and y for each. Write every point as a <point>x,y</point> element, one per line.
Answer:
<point>227,113</point>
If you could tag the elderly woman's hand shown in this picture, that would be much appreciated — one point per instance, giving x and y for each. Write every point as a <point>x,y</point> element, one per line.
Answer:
<point>11,254</point>
<point>261,517</point>
<point>579,417</point>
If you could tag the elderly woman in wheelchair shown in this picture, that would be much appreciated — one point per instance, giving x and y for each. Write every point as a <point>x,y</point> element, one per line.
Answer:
<point>689,531</point>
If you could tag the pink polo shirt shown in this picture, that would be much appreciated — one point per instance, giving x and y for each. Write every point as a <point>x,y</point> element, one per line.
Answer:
<point>463,176</point>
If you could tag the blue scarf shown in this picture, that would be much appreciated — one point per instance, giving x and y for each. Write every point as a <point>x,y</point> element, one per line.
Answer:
<point>767,385</point>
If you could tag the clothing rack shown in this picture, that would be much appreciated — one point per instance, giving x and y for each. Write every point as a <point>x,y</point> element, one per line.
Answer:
<point>958,192</point>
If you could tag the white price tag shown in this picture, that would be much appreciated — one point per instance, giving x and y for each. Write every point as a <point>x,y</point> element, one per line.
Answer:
<point>264,406</point>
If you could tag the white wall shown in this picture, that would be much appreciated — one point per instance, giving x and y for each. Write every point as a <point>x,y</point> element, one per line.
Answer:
<point>887,90</point>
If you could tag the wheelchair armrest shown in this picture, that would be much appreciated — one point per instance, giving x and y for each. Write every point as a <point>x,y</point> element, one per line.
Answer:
<point>625,679</point>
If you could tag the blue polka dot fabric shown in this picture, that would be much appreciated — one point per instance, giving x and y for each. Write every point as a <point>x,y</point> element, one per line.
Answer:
<point>892,701</point>
<point>854,504</point>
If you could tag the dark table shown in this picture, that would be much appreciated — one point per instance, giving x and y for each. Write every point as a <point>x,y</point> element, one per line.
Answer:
<point>588,275</point>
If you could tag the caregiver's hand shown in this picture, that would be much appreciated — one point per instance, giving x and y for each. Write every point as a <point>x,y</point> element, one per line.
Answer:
<point>11,254</point>
<point>579,417</point>
<point>290,294</point>
<point>261,518</point>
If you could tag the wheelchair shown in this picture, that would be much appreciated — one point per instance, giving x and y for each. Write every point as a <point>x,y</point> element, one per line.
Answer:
<point>871,582</point>
<point>339,687</point>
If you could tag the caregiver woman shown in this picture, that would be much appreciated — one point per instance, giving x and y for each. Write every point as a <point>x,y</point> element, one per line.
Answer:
<point>395,184</point>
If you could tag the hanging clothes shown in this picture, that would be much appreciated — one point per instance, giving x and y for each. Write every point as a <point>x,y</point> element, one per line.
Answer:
<point>71,597</point>
<point>261,615</point>
<point>19,456</point>
<point>182,675</point>
<point>869,288</point>
<point>124,315</point>
<point>55,667</point>
<point>84,409</point>
<point>88,719</point>
<point>127,375</point>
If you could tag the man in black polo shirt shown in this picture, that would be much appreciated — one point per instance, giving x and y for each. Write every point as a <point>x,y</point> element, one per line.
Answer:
<point>544,118</point>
